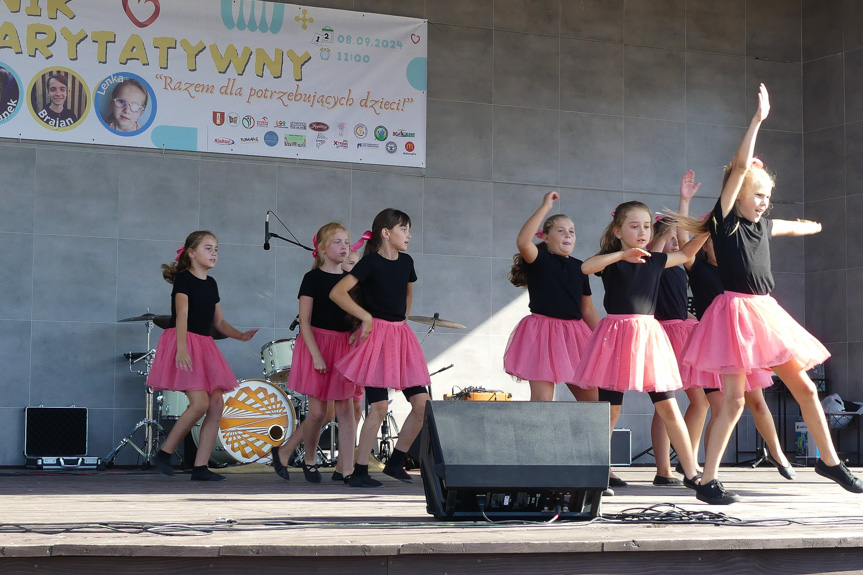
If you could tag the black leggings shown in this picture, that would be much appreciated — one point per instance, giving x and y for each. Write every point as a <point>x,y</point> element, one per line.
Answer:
<point>376,394</point>
<point>616,397</point>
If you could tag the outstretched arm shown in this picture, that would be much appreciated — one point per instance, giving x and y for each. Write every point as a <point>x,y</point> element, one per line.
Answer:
<point>227,329</point>
<point>599,262</point>
<point>795,228</point>
<point>687,252</point>
<point>525,244</point>
<point>743,159</point>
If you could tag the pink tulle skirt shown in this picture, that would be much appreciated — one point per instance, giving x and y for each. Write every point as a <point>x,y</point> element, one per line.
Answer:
<point>303,377</point>
<point>391,357</point>
<point>758,379</point>
<point>209,372</point>
<point>742,333</point>
<point>543,348</point>
<point>628,352</point>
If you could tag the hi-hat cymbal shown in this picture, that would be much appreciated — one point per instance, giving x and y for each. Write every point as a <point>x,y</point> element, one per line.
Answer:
<point>436,321</point>
<point>145,317</point>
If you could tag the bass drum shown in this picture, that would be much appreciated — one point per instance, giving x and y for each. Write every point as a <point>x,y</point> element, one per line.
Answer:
<point>257,417</point>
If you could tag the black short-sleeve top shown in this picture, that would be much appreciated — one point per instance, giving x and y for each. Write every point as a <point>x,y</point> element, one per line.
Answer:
<point>317,285</point>
<point>203,297</point>
<point>705,283</point>
<point>556,285</point>
<point>742,252</point>
<point>385,284</point>
<point>633,288</point>
<point>671,303</point>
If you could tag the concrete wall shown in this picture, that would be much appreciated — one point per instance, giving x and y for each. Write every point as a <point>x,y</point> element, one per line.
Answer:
<point>604,100</point>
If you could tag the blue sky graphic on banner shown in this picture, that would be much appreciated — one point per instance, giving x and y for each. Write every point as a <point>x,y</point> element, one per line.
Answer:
<point>231,76</point>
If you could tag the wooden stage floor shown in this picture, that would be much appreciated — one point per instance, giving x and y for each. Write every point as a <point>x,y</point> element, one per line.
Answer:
<point>131,521</point>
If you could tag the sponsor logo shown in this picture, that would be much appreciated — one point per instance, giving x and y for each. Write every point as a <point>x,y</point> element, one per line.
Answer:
<point>320,140</point>
<point>340,144</point>
<point>298,125</point>
<point>249,140</point>
<point>271,138</point>
<point>381,133</point>
<point>281,124</point>
<point>295,140</point>
<point>360,131</point>
<point>409,146</point>
<point>233,119</point>
<point>318,127</point>
<point>223,141</point>
<point>248,121</point>
<point>218,118</point>
<point>403,134</point>
<point>392,147</point>
<point>263,122</point>
<point>373,146</point>
<point>342,127</point>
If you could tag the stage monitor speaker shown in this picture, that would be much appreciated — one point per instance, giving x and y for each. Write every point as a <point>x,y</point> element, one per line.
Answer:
<point>514,460</point>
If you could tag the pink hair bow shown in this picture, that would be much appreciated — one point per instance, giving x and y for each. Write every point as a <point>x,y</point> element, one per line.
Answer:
<point>315,243</point>
<point>367,235</point>
<point>179,253</point>
<point>539,234</point>
<point>612,213</point>
<point>757,163</point>
<point>659,218</point>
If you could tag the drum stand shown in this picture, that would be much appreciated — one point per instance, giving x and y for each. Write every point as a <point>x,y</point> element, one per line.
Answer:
<point>154,433</point>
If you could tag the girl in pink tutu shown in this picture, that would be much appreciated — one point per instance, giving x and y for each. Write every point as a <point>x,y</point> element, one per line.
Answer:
<point>387,354</point>
<point>744,330</point>
<point>324,334</point>
<point>187,358</point>
<point>628,350</point>
<point>546,346</point>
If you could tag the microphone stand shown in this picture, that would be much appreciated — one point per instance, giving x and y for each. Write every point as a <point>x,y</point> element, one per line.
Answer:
<point>296,243</point>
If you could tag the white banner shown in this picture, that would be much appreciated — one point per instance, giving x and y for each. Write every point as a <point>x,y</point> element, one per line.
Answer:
<point>231,76</point>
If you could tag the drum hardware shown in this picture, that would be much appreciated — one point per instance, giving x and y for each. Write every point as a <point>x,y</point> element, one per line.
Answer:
<point>154,433</point>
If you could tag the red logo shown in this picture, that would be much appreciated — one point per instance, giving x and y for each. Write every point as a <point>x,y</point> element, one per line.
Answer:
<point>409,146</point>
<point>137,15</point>
<point>218,118</point>
<point>318,127</point>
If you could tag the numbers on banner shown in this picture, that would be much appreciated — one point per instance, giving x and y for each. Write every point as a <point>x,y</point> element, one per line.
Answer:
<point>358,58</point>
<point>372,42</point>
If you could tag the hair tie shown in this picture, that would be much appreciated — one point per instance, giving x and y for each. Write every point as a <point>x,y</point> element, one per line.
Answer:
<point>612,213</point>
<point>704,217</point>
<point>659,218</point>
<point>758,163</point>
<point>179,253</point>
<point>539,234</point>
<point>367,235</point>
<point>315,243</point>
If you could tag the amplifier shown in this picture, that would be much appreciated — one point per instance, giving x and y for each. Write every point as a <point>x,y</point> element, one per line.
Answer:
<point>55,431</point>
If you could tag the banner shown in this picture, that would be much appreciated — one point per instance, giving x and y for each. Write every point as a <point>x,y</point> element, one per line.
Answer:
<point>230,76</point>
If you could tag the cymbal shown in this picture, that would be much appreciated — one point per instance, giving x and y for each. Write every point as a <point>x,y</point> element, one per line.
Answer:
<point>162,321</point>
<point>436,321</point>
<point>145,317</point>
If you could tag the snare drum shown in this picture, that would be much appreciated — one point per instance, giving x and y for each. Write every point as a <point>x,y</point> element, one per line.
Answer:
<point>172,404</point>
<point>257,417</point>
<point>276,357</point>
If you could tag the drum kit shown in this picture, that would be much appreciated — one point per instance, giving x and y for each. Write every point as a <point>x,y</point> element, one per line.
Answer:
<point>258,414</point>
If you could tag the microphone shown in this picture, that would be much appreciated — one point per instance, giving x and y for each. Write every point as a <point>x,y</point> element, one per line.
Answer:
<point>267,232</point>
<point>295,323</point>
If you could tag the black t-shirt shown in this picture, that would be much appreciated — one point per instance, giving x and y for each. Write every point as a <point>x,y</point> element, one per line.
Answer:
<point>317,285</point>
<point>671,303</point>
<point>742,252</point>
<point>556,285</point>
<point>203,297</point>
<point>705,283</point>
<point>633,288</point>
<point>385,284</point>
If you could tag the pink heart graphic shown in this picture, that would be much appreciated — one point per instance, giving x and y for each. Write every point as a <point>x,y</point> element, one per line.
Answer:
<point>135,19</point>
<point>415,38</point>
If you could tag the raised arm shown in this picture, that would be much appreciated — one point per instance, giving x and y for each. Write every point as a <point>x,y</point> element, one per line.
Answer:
<point>688,189</point>
<point>743,159</point>
<point>795,228</point>
<point>525,244</point>
<point>599,262</point>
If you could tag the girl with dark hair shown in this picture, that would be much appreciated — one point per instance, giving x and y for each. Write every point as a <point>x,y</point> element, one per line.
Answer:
<point>387,354</point>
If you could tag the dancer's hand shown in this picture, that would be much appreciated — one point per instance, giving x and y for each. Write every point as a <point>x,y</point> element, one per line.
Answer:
<point>763,103</point>
<point>635,256</point>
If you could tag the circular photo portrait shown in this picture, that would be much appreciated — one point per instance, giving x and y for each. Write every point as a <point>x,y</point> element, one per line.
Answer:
<point>59,98</point>
<point>10,93</point>
<point>126,104</point>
